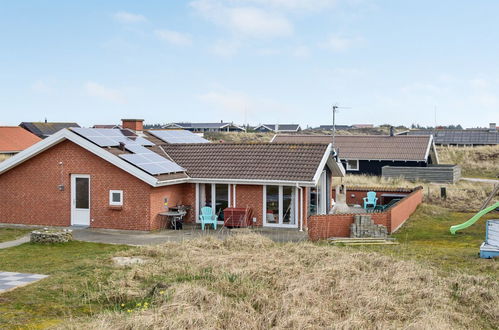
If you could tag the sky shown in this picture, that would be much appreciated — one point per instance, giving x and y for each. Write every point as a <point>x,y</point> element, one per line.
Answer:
<point>250,61</point>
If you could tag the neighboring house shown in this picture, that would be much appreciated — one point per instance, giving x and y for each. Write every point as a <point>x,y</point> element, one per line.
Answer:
<point>206,127</point>
<point>330,127</point>
<point>367,154</point>
<point>362,126</point>
<point>111,178</point>
<point>460,137</point>
<point>278,128</point>
<point>106,126</point>
<point>14,139</point>
<point>45,129</point>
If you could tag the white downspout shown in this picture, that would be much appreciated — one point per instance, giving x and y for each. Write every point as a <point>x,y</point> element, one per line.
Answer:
<point>300,218</point>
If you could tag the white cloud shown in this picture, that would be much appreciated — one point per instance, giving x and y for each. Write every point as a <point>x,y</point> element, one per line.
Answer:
<point>227,101</point>
<point>479,83</point>
<point>43,86</point>
<point>124,17</point>
<point>97,90</point>
<point>295,4</point>
<point>226,48</point>
<point>174,37</point>
<point>301,51</point>
<point>338,43</point>
<point>243,20</point>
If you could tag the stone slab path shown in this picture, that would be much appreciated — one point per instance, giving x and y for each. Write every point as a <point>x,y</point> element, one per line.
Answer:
<point>494,181</point>
<point>16,242</point>
<point>12,280</point>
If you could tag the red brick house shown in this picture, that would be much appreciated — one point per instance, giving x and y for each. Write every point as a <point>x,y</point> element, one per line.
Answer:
<point>122,179</point>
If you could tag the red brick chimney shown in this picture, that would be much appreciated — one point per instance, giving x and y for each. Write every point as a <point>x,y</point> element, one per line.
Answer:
<point>133,124</point>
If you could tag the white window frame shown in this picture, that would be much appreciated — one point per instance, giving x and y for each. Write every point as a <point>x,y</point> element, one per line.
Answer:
<point>199,192</point>
<point>111,202</point>
<point>281,211</point>
<point>349,168</point>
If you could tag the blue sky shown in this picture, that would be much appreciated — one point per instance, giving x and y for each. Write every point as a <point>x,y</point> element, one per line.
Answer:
<point>254,61</point>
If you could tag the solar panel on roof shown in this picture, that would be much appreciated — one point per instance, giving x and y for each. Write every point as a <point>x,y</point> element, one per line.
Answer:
<point>105,137</point>
<point>152,163</point>
<point>177,136</point>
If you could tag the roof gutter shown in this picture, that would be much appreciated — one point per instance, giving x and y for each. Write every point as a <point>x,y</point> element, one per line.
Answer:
<point>253,182</point>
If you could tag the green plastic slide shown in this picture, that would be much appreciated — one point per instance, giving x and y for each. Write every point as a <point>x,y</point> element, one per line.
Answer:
<point>474,219</point>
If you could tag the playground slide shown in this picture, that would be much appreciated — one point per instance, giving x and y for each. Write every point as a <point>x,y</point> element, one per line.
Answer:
<point>474,219</point>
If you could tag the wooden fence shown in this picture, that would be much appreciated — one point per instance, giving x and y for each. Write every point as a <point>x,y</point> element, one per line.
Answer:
<point>432,173</point>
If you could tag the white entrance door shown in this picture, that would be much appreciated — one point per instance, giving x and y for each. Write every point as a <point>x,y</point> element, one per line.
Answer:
<point>80,199</point>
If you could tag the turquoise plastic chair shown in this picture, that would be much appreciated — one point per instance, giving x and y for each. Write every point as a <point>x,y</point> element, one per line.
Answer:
<point>208,218</point>
<point>370,200</point>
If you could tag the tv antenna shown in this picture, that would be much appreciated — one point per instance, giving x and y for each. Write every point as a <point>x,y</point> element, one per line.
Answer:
<point>335,110</point>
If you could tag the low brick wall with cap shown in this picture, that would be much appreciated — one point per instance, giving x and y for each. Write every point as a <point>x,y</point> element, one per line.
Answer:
<point>338,225</point>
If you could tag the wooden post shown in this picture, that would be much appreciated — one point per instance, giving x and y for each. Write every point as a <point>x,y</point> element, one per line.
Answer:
<point>443,192</point>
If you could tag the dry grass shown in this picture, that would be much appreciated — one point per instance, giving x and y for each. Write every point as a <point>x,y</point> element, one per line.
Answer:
<point>249,282</point>
<point>236,137</point>
<point>480,162</point>
<point>463,196</point>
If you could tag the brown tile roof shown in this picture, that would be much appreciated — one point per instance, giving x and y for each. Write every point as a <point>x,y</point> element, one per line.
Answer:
<point>15,139</point>
<point>374,147</point>
<point>284,162</point>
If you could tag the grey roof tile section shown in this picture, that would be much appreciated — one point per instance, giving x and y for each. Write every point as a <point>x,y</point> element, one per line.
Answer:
<point>259,161</point>
<point>368,147</point>
<point>43,129</point>
<point>455,136</point>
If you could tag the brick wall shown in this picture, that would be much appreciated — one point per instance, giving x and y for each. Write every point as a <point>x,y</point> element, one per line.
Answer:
<point>338,225</point>
<point>251,196</point>
<point>179,194</point>
<point>356,194</point>
<point>29,192</point>
<point>401,211</point>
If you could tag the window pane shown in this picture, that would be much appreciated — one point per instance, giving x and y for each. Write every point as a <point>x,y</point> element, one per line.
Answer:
<point>353,164</point>
<point>313,201</point>
<point>288,205</point>
<point>82,189</point>
<point>272,204</point>
<point>116,197</point>
<point>222,202</point>
<point>207,195</point>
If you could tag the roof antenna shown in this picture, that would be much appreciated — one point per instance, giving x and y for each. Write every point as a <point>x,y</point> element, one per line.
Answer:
<point>335,109</point>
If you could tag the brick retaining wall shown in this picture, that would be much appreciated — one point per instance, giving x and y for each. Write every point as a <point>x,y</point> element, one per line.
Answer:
<point>338,225</point>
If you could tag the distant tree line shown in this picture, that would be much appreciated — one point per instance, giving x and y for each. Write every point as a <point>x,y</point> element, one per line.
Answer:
<point>417,126</point>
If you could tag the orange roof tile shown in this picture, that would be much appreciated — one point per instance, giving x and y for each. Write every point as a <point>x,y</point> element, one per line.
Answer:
<point>15,139</point>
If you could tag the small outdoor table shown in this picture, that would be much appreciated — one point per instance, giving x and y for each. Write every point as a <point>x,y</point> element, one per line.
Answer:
<point>175,218</point>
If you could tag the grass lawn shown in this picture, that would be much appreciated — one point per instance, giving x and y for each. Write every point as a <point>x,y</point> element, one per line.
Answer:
<point>9,234</point>
<point>75,269</point>
<point>425,237</point>
<point>83,282</point>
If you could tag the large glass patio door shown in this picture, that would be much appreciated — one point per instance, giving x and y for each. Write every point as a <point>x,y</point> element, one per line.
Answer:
<point>280,206</point>
<point>215,196</point>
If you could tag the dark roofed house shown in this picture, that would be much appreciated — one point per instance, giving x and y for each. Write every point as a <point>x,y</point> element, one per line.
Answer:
<point>367,154</point>
<point>106,126</point>
<point>45,129</point>
<point>206,127</point>
<point>460,137</point>
<point>337,127</point>
<point>124,179</point>
<point>278,128</point>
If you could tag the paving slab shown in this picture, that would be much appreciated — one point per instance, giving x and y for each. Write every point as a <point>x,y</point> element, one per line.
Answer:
<point>15,242</point>
<point>11,280</point>
<point>127,237</point>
